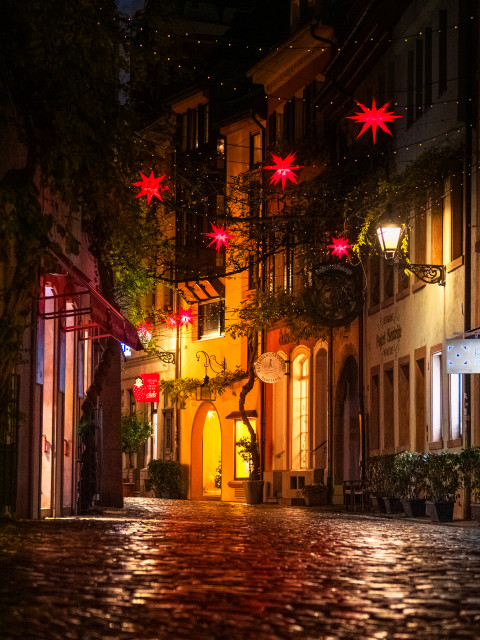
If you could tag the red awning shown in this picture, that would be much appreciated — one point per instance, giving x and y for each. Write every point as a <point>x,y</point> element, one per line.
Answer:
<point>92,312</point>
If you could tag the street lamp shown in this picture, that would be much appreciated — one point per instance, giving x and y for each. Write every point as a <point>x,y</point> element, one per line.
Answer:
<point>389,235</point>
<point>203,391</point>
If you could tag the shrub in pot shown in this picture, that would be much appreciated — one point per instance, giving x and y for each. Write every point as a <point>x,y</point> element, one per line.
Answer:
<point>135,430</point>
<point>248,450</point>
<point>441,484</point>
<point>165,477</point>
<point>469,463</point>
<point>410,478</point>
<point>376,481</point>
<point>315,494</point>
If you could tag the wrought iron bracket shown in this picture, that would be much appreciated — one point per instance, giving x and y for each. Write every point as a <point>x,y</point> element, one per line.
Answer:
<point>166,356</point>
<point>428,273</point>
<point>208,362</point>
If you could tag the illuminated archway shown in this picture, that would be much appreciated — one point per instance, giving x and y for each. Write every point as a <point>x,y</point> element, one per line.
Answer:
<point>206,452</point>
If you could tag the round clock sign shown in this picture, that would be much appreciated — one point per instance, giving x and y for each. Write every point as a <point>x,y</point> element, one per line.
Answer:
<point>270,367</point>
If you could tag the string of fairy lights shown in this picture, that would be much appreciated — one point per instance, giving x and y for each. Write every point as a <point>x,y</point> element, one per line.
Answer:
<point>172,322</point>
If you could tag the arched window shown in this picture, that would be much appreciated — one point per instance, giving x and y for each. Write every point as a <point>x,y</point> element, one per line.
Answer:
<point>300,412</point>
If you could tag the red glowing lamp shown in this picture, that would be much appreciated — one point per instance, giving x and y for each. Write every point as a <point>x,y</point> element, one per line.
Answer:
<point>221,237</point>
<point>340,247</point>
<point>171,321</point>
<point>145,330</point>
<point>150,187</point>
<point>374,118</point>
<point>283,169</point>
<point>185,317</point>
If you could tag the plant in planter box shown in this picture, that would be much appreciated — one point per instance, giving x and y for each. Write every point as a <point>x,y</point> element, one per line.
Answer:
<point>315,494</point>
<point>381,483</point>
<point>165,477</point>
<point>134,431</point>
<point>469,462</point>
<point>442,484</point>
<point>410,479</point>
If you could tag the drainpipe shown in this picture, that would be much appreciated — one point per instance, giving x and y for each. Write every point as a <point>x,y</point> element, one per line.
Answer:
<point>361,402</point>
<point>263,386</point>
<point>468,69</point>
<point>330,418</point>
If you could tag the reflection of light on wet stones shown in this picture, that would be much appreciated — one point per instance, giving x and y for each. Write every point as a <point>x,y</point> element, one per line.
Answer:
<point>193,570</point>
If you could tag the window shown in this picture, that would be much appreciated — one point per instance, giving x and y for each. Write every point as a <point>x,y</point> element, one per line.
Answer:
<point>418,78</point>
<point>442,51</point>
<point>288,264</point>
<point>374,289</point>
<point>256,155</point>
<point>404,404</point>
<point>410,88</point>
<point>436,431</point>
<point>437,228</point>
<point>242,467</point>
<point>456,218</point>
<point>374,412</point>
<point>206,122</point>
<point>272,128</point>
<point>428,67</point>
<point>211,319</point>
<point>388,409</point>
<point>456,405</point>
<point>420,235</point>
<point>300,413</point>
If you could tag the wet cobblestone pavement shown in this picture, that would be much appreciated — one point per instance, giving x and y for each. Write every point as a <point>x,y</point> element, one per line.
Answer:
<point>204,570</point>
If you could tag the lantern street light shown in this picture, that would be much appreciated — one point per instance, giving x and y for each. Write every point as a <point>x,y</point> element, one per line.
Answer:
<point>389,236</point>
<point>203,391</point>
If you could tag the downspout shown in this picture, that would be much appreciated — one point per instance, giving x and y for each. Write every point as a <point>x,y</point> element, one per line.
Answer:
<point>468,69</point>
<point>330,418</point>
<point>361,396</point>
<point>263,386</point>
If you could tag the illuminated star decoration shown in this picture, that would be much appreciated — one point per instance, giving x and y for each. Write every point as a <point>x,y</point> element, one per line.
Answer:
<point>221,236</point>
<point>145,331</point>
<point>171,321</point>
<point>283,169</point>
<point>374,118</point>
<point>340,247</point>
<point>150,186</point>
<point>185,317</point>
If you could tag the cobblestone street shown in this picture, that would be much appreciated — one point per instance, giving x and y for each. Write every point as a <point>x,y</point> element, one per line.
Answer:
<point>179,569</point>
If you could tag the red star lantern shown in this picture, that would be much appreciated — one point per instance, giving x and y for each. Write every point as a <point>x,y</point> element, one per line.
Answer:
<point>374,118</point>
<point>340,247</point>
<point>185,317</point>
<point>221,236</point>
<point>171,321</point>
<point>145,331</point>
<point>283,169</point>
<point>150,186</point>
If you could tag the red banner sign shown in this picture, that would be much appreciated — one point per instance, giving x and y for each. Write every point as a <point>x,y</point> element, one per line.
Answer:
<point>145,387</point>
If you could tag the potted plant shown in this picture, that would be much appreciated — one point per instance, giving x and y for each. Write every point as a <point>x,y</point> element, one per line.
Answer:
<point>442,483</point>
<point>134,431</point>
<point>315,494</point>
<point>390,497</point>
<point>248,451</point>
<point>469,462</point>
<point>375,479</point>
<point>410,477</point>
<point>165,477</point>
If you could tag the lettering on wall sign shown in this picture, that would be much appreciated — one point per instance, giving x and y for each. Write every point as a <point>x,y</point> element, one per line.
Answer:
<point>389,332</point>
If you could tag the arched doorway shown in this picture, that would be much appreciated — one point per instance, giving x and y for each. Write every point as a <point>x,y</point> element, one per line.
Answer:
<point>346,454</point>
<point>206,453</point>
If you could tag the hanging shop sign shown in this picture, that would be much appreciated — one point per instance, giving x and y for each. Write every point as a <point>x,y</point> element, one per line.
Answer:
<point>270,367</point>
<point>462,356</point>
<point>145,387</point>
<point>127,351</point>
<point>336,295</point>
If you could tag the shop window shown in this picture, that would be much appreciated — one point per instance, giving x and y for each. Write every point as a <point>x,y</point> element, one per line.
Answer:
<point>300,412</point>
<point>388,409</point>
<point>436,397</point>
<point>242,467</point>
<point>256,152</point>
<point>404,404</point>
<point>437,228</point>
<point>456,405</point>
<point>374,412</point>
